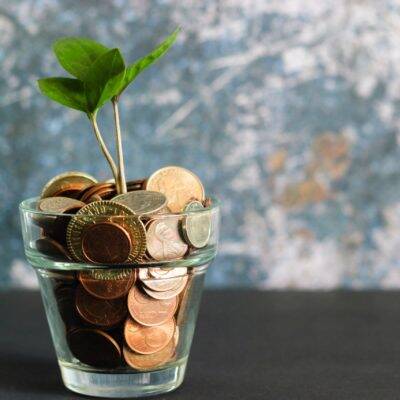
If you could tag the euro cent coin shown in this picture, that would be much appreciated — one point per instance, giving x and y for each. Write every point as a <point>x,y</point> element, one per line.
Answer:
<point>106,243</point>
<point>94,347</point>
<point>107,284</point>
<point>148,339</point>
<point>149,311</point>
<point>102,313</point>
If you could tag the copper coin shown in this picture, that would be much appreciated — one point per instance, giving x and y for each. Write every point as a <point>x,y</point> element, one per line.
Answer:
<point>148,311</point>
<point>164,241</point>
<point>94,347</point>
<point>106,243</point>
<point>59,205</point>
<point>145,362</point>
<point>52,248</point>
<point>72,191</point>
<point>106,211</point>
<point>107,283</point>
<point>148,339</point>
<point>103,313</point>
<point>168,294</point>
<point>159,284</point>
<point>178,184</point>
<point>68,181</point>
<point>95,189</point>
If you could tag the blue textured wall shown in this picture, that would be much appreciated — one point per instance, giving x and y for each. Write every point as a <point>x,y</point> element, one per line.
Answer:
<point>287,109</point>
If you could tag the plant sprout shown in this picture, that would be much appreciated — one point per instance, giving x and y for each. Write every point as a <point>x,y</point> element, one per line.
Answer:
<point>99,75</point>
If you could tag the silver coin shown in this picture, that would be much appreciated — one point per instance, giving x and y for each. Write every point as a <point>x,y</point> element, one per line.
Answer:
<point>142,202</point>
<point>169,294</point>
<point>196,226</point>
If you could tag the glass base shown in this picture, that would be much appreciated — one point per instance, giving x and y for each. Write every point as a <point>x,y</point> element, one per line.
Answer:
<point>114,385</point>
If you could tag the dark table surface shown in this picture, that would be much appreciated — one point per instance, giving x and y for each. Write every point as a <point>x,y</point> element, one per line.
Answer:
<point>248,345</point>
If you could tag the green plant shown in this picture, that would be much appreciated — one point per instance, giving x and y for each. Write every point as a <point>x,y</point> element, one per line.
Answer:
<point>100,75</point>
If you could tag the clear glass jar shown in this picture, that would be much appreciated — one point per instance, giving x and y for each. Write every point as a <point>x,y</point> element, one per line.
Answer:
<point>113,339</point>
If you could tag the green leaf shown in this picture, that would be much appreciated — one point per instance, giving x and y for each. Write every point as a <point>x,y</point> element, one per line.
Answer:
<point>104,79</point>
<point>136,68</point>
<point>66,91</point>
<point>76,54</point>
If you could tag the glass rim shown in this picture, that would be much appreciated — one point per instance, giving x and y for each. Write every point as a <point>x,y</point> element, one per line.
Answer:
<point>26,207</point>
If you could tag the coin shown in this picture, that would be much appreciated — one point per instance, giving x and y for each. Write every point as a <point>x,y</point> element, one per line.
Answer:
<point>168,294</point>
<point>148,311</point>
<point>107,283</point>
<point>196,226</point>
<point>60,205</point>
<point>178,184</point>
<point>103,313</point>
<point>142,202</point>
<point>95,189</point>
<point>148,339</point>
<point>67,180</point>
<point>160,284</point>
<point>94,347</point>
<point>106,243</point>
<point>167,272</point>
<point>51,248</point>
<point>145,362</point>
<point>164,241</point>
<point>106,211</point>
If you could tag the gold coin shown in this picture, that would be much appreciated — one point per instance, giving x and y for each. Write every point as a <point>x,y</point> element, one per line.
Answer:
<point>103,212</point>
<point>66,180</point>
<point>59,205</point>
<point>142,202</point>
<point>164,241</point>
<point>196,225</point>
<point>178,184</point>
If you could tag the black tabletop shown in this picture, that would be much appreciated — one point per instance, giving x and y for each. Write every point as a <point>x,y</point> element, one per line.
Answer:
<point>248,345</point>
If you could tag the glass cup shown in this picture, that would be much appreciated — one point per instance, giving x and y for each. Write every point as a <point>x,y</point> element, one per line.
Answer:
<point>120,329</point>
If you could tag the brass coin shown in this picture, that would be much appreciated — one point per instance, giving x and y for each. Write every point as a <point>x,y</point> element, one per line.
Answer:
<point>52,248</point>
<point>107,283</point>
<point>60,205</point>
<point>106,243</point>
<point>164,241</point>
<point>178,184</point>
<point>160,284</point>
<point>168,294</point>
<point>145,362</point>
<point>148,339</point>
<point>148,311</point>
<point>102,313</point>
<point>94,347</point>
<point>106,211</point>
<point>196,226</point>
<point>65,180</point>
<point>142,202</point>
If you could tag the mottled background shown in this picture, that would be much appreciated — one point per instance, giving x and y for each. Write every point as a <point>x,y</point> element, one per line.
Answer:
<point>287,109</point>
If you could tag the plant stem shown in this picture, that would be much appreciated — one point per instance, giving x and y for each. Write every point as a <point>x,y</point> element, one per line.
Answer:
<point>104,148</point>
<point>118,138</point>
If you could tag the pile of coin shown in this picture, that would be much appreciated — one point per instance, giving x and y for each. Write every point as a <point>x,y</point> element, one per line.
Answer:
<point>161,218</point>
<point>119,315</point>
<point>116,317</point>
